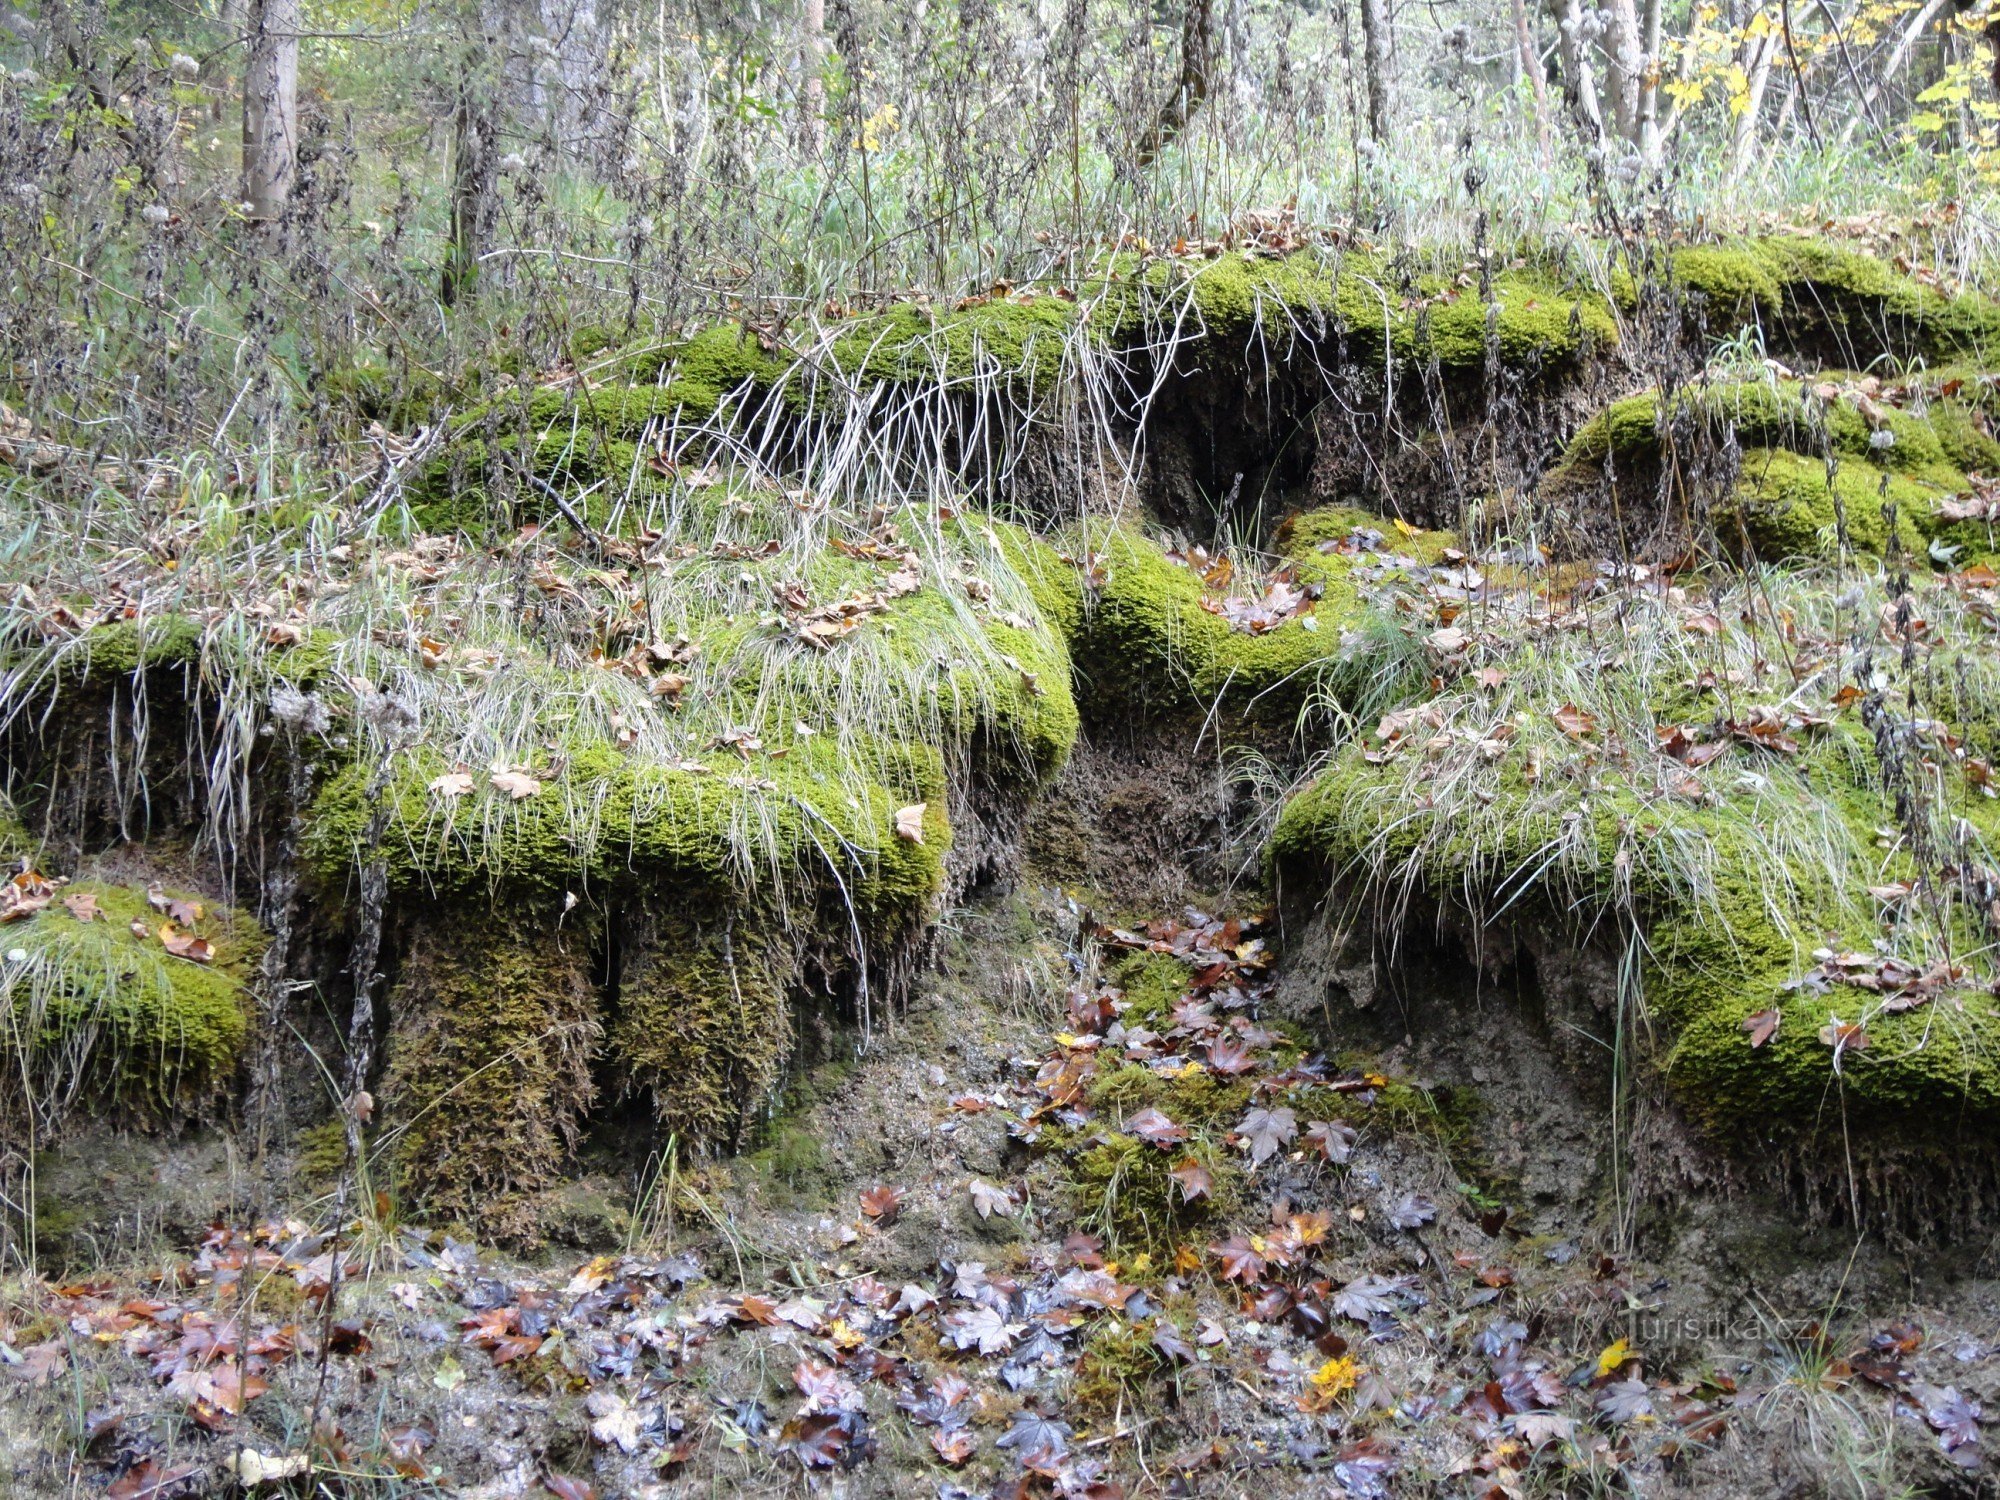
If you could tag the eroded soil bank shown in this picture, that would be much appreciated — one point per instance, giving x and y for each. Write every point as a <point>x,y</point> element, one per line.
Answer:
<point>1412,912</point>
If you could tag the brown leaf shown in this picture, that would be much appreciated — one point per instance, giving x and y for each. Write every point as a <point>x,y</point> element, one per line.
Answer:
<point>1573,721</point>
<point>910,823</point>
<point>186,945</point>
<point>1155,1128</point>
<point>1195,1181</point>
<point>882,1203</point>
<point>83,906</point>
<point>1762,1027</point>
<point>518,785</point>
<point>955,1447</point>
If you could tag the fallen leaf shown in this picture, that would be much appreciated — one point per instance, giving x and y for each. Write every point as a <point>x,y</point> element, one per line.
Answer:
<point>910,822</point>
<point>518,785</point>
<point>1762,1027</point>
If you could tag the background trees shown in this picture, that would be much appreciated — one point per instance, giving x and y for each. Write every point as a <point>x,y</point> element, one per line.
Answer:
<point>457,178</point>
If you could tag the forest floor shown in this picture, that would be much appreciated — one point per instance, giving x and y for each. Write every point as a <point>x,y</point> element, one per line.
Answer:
<point>929,1280</point>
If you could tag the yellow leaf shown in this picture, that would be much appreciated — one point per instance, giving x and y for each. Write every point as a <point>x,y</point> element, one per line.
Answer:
<point>1614,1356</point>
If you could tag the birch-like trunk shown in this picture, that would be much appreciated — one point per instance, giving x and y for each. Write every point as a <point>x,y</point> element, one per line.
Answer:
<point>271,107</point>
<point>1378,56</point>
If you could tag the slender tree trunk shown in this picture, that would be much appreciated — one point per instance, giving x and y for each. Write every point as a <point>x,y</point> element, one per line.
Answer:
<point>1531,64</point>
<point>1378,58</point>
<point>815,89</point>
<point>1919,24</point>
<point>1757,66</point>
<point>1649,85</point>
<point>1191,88</point>
<point>475,140</point>
<point>1624,61</point>
<point>1577,70</point>
<point>271,107</point>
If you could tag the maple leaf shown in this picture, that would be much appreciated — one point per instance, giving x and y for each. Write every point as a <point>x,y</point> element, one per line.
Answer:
<point>1844,1037</point>
<point>615,1422</point>
<point>83,906</point>
<point>452,783</point>
<point>751,1308</point>
<point>990,1200</point>
<point>982,1328</point>
<point>1240,1260</point>
<point>1229,1057</point>
<point>1156,1128</point>
<point>1411,1211</point>
<point>824,1387</point>
<point>1267,1131</point>
<point>563,1487</point>
<point>1762,1026</point>
<point>1333,1139</point>
<point>882,1204</point>
<point>910,823</point>
<point>1195,1180</point>
<point>1369,1297</point>
<point>148,1481</point>
<point>518,785</point>
<point>1625,1400</point>
<point>955,1446</point>
<point>1039,1442</point>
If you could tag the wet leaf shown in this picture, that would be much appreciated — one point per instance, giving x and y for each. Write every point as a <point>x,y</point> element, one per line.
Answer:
<point>882,1204</point>
<point>1412,1211</point>
<point>1266,1132</point>
<point>990,1200</point>
<point>1195,1181</point>
<point>186,945</point>
<point>1155,1128</point>
<point>1762,1026</point>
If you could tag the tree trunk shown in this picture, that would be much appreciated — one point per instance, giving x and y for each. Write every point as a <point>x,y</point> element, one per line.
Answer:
<point>1531,64</point>
<point>1649,85</point>
<point>1378,56</point>
<point>1624,62</point>
<point>1757,67</point>
<point>271,107</point>
<point>1577,71</point>
<point>1197,70</point>
<point>814,93</point>
<point>475,140</point>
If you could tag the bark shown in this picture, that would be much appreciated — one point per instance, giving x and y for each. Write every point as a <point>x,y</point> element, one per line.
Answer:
<point>271,107</point>
<point>1757,66</point>
<point>1649,85</point>
<point>1531,65</point>
<point>475,138</point>
<point>1919,24</point>
<point>1378,56</point>
<point>1191,88</point>
<point>1580,76</point>
<point>1624,61</point>
<point>815,66</point>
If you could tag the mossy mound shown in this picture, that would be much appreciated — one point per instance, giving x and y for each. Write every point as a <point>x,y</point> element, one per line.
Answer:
<point>1158,638</point>
<point>1797,469</point>
<point>1814,293</point>
<point>1807,850</point>
<point>488,1077</point>
<point>104,1015</point>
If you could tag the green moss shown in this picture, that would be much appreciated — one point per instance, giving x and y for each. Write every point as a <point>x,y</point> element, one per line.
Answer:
<point>1805,290</point>
<point>488,1065</point>
<point>1119,1360</point>
<point>702,1026</point>
<point>1149,646</point>
<point>133,1030</point>
<point>1787,508</point>
<point>1125,1191</point>
<point>1194,1097</point>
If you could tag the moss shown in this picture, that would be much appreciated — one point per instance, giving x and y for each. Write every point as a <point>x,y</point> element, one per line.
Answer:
<point>1806,291</point>
<point>1532,320</point>
<point>702,1026</point>
<point>488,1065</point>
<point>1192,1096</point>
<point>1148,646</point>
<point>1787,507</point>
<point>133,1030</point>
<point>1118,1361</point>
<point>1125,1191</point>
<point>1152,983</point>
